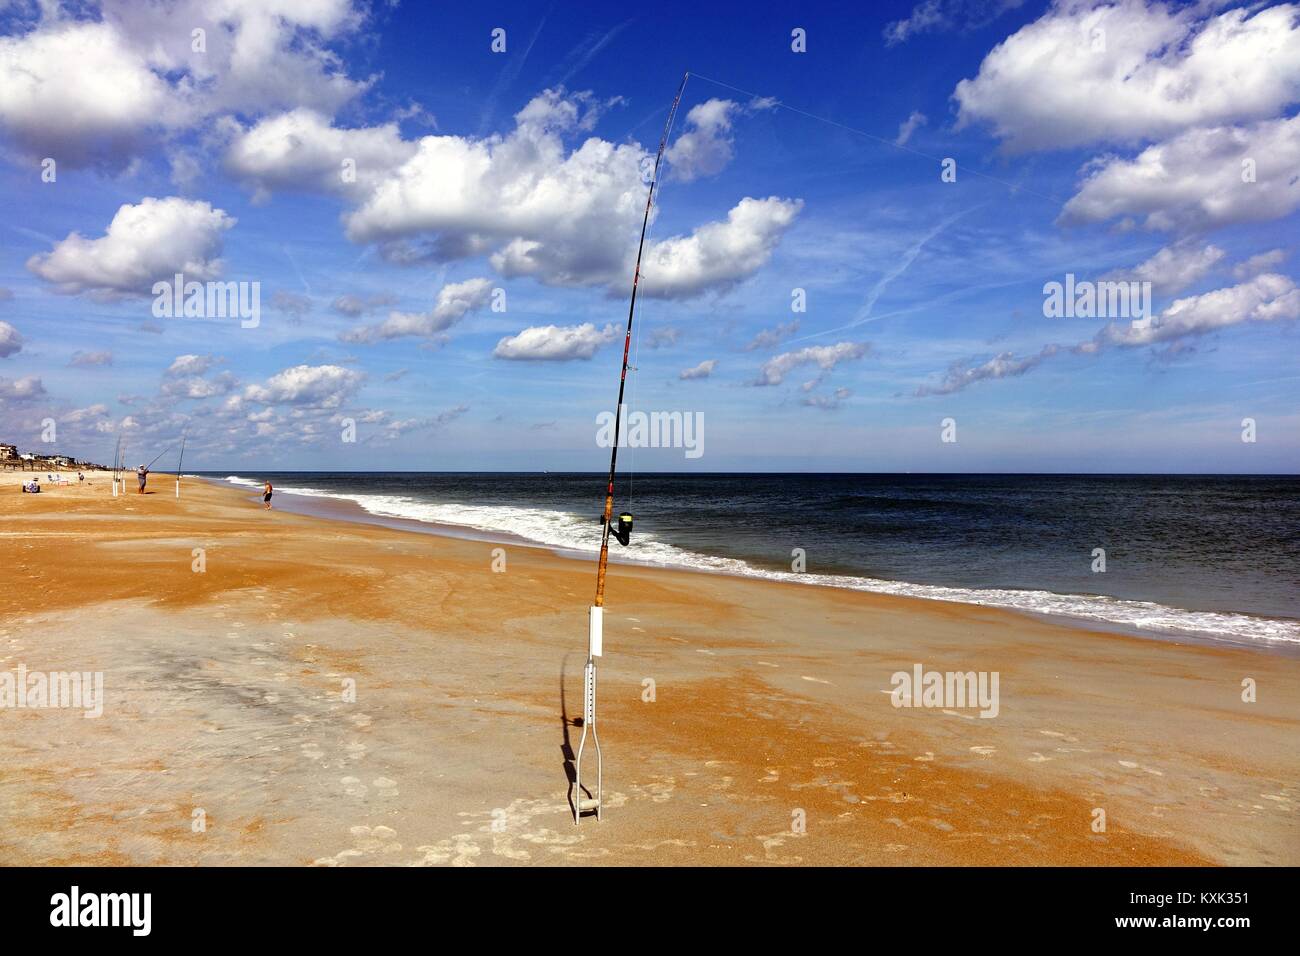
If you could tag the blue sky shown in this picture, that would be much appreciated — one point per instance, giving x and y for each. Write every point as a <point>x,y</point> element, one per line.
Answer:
<point>1102,141</point>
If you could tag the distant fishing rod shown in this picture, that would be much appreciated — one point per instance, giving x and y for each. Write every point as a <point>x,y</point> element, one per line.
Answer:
<point>596,617</point>
<point>117,458</point>
<point>179,460</point>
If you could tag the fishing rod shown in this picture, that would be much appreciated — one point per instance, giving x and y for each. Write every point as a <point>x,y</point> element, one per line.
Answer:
<point>121,465</point>
<point>623,533</point>
<point>117,457</point>
<point>159,455</point>
<point>180,459</point>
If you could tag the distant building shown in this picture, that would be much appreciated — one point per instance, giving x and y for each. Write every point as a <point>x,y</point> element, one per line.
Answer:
<point>11,458</point>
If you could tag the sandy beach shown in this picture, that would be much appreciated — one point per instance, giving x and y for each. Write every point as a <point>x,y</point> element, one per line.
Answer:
<point>229,733</point>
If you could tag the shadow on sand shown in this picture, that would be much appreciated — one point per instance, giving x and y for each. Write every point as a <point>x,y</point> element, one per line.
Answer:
<point>566,748</point>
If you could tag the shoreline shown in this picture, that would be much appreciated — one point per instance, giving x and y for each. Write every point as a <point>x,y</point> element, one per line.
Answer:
<point>224,694</point>
<point>343,507</point>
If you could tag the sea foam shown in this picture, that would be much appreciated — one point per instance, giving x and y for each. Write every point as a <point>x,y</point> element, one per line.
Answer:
<point>564,531</point>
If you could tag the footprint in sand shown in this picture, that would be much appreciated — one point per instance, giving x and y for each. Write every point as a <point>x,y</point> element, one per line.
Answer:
<point>815,680</point>
<point>659,790</point>
<point>460,850</point>
<point>355,751</point>
<point>771,842</point>
<point>312,752</point>
<point>353,787</point>
<point>375,839</point>
<point>1038,758</point>
<point>366,841</point>
<point>925,757</point>
<point>1057,733</point>
<point>772,776</point>
<point>767,664</point>
<point>825,762</point>
<point>984,751</point>
<point>360,720</point>
<point>385,787</point>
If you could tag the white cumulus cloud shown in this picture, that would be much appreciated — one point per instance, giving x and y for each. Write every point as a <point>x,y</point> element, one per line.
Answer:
<point>717,255</point>
<point>825,357</point>
<point>1268,297</point>
<point>89,89</point>
<point>1132,71</point>
<point>303,150</point>
<point>309,386</point>
<point>1199,180</point>
<point>703,370</point>
<point>453,303</point>
<point>526,200</point>
<point>27,388</point>
<point>909,126</point>
<point>1174,267</point>
<point>11,342</point>
<point>706,147</point>
<point>554,343</point>
<point>151,240</point>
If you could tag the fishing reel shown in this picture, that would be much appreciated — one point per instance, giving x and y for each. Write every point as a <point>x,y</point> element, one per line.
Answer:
<point>623,530</point>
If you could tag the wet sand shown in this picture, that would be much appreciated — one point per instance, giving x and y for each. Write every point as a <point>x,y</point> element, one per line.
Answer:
<point>230,733</point>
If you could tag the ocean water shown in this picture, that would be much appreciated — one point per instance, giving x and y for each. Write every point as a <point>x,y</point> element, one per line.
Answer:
<point>1210,557</point>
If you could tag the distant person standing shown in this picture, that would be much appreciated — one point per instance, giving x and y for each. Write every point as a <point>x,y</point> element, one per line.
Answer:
<point>142,475</point>
<point>266,495</point>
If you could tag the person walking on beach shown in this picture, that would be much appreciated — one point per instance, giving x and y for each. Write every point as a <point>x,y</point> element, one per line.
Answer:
<point>266,495</point>
<point>142,475</point>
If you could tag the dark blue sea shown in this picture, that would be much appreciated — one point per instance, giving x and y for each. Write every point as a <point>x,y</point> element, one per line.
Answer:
<point>1214,557</point>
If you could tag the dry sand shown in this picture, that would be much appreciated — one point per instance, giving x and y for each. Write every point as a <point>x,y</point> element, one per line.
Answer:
<point>226,737</point>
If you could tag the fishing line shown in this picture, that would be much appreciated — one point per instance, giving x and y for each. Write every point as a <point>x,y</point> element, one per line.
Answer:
<point>636,356</point>
<point>596,613</point>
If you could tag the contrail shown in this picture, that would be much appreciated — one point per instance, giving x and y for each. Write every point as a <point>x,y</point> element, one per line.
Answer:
<point>864,313</point>
<point>508,75</point>
<point>591,51</point>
